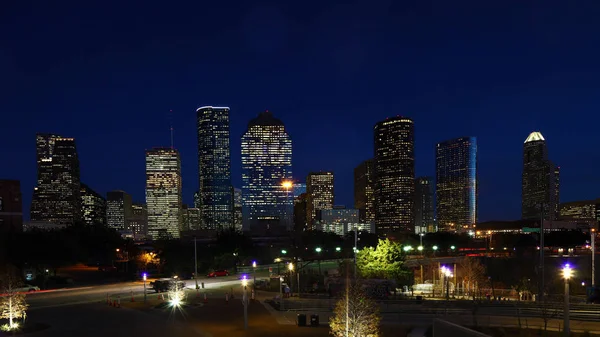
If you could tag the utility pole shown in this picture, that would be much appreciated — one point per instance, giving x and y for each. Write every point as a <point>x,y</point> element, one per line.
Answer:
<point>195,263</point>
<point>541,282</point>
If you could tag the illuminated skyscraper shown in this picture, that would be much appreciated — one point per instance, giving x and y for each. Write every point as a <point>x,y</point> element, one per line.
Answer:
<point>237,209</point>
<point>163,193</point>
<point>266,164</point>
<point>118,210</point>
<point>364,184</point>
<point>394,176</point>
<point>214,169</point>
<point>191,220</point>
<point>456,184</point>
<point>298,188</point>
<point>138,222</point>
<point>93,206</point>
<point>540,180</point>
<point>56,197</point>
<point>319,192</point>
<point>424,218</point>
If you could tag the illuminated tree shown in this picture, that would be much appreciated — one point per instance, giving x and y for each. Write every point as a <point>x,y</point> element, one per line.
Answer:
<point>12,305</point>
<point>355,315</point>
<point>384,262</point>
<point>176,293</point>
<point>473,274</point>
<point>145,259</point>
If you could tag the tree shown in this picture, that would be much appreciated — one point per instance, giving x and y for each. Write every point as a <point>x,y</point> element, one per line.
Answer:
<point>12,305</point>
<point>473,273</point>
<point>355,315</point>
<point>385,262</point>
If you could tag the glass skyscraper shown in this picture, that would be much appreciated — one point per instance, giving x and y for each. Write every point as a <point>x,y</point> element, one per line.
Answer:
<point>364,181</point>
<point>93,206</point>
<point>456,184</point>
<point>57,195</point>
<point>118,210</point>
<point>394,176</point>
<point>214,167</point>
<point>424,211</point>
<point>266,165</point>
<point>540,181</point>
<point>163,193</point>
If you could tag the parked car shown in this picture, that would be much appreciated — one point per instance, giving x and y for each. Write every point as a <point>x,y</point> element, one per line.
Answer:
<point>217,273</point>
<point>27,288</point>
<point>166,284</point>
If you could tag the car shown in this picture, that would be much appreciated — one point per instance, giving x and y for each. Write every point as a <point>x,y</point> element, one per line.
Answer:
<point>166,284</point>
<point>217,273</point>
<point>27,288</point>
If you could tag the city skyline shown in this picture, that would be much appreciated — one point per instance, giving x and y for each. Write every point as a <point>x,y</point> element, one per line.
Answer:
<point>517,76</point>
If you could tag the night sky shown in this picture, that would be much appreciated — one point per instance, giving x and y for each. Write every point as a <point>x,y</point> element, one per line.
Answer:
<point>108,72</point>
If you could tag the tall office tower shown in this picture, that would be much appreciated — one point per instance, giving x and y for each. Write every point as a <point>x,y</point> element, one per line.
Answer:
<point>214,160</point>
<point>456,184</point>
<point>56,198</point>
<point>540,181</point>
<point>163,192</point>
<point>300,219</point>
<point>363,190</point>
<point>319,192</point>
<point>190,218</point>
<point>424,219</point>
<point>93,206</point>
<point>237,209</point>
<point>138,221</point>
<point>266,165</point>
<point>11,206</point>
<point>584,210</point>
<point>394,176</point>
<point>118,210</point>
<point>299,188</point>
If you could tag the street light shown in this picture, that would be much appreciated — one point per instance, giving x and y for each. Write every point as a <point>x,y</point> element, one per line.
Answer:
<point>407,248</point>
<point>283,251</point>
<point>254,272</point>
<point>435,248</point>
<point>447,274</point>
<point>420,248</point>
<point>245,301</point>
<point>318,250</point>
<point>144,276</point>
<point>338,249</point>
<point>567,273</point>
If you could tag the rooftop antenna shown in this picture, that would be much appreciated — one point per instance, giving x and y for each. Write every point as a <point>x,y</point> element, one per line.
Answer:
<point>171,126</point>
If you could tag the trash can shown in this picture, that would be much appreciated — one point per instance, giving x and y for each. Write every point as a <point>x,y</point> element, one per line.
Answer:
<point>202,285</point>
<point>314,320</point>
<point>301,320</point>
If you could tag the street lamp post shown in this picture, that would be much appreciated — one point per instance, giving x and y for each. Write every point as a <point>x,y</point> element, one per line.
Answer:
<point>447,274</point>
<point>195,264</point>
<point>254,272</point>
<point>144,276</point>
<point>318,250</point>
<point>245,302</point>
<point>281,292</point>
<point>291,269</point>
<point>567,273</point>
<point>287,185</point>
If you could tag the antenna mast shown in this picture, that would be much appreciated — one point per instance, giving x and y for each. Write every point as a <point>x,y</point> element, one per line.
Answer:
<point>171,126</point>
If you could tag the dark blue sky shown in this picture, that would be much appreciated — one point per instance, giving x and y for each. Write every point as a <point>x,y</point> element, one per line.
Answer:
<point>108,72</point>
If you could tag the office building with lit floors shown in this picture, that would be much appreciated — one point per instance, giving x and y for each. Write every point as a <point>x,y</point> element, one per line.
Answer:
<point>57,195</point>
<point>456,184</point>
<point>424,209</point>
<point>319,192</point>
<point>118,210</point>
<point>163,193</point>
<point>11,206</point>
<point>138,222</point>
<point>237,209</point>
<point>93,206</point>
<point>266,171</point>
<point>214,167</point>
<point>394,176</point>
<point>540,191</point>
<point>364,184</point>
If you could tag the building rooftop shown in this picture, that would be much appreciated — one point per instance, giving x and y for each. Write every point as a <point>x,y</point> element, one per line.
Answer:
<point>534,137</point>
<point>265,118</point>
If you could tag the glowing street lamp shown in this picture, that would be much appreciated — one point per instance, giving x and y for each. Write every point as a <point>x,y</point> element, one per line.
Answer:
<point>338,249</point>
<point>407,248</point>
<point>254,272</point>
<point>567,273</point>
<point>420,248</point>
<point>283,251</point>
<point>144,276</point>
<point>318,249</point>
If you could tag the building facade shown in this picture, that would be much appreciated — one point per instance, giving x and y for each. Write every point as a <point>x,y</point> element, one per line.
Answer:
<point>338,220</point>
<point>579,210</point>
<point>299,188</point>
<point>456,184</point>
<point>138,222</point>
<point>319,192</point>
<point>118,210</point>
<point>191,218</point>
<point>424,208</point>
<point>540,192</point>
<point>237,209</point>
<point>266,165</point>
<point>364,184</point>
<point>394,176</point>
<point>214,160</point>
<point>11,206</point>
<point>57,195</point>
<point>163,193</point>
<point>300,218</point>
<point>93,206</point>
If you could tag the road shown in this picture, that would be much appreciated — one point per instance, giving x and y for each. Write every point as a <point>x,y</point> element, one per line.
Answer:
<point>91,294</point>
